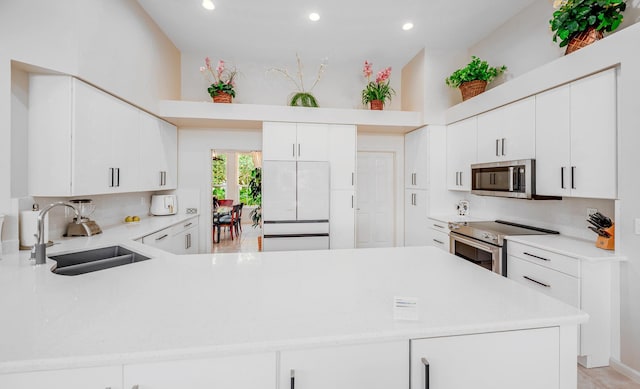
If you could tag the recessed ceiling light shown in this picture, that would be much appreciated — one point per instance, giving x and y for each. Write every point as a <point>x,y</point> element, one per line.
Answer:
<point>208,4</point>
<point>407,26</point>
<point>314,16</point>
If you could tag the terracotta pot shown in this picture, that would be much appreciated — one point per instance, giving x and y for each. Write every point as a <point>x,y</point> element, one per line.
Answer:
<point>259,243</point>
<point>376,105</point>
<point>582,39</point>
<point>472,88</point>
<point>222,97</point>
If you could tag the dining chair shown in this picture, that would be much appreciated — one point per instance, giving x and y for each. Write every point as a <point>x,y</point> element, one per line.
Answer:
<point>228,220</point>
<point>225,202</point>
<point>239,219</point>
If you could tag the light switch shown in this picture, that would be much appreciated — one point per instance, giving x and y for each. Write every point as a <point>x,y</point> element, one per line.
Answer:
<point>637,226</point>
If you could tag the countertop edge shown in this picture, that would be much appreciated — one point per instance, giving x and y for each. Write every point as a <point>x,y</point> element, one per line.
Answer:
<point>607,258</point>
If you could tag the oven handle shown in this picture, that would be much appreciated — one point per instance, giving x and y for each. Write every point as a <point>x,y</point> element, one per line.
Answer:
<point>510,178</point>
<point>471,242</point>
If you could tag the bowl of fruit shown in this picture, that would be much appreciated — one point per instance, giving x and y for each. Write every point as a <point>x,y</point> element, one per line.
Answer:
<point>132,219</point>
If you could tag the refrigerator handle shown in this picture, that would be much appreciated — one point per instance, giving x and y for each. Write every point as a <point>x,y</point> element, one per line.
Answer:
<point>293,150</point>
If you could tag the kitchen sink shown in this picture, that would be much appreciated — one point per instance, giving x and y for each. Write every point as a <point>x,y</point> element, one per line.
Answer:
<point>87,261</point>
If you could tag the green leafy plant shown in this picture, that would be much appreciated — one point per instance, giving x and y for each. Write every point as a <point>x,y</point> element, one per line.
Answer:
<point>302,98</point>
<point>574,16</point>
<point>477,69</point>
<point>222,79</point>
<point>255,190</point>
<point>378,89</point>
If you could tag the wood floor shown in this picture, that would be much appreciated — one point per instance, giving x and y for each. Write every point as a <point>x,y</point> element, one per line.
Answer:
<point>603,378</point>
<point>245,243</point>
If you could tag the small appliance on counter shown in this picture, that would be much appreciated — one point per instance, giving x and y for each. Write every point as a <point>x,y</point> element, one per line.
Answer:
<point>605,228</point>
<point>463,208</point>
<point>84,226</point>
<point>162,205</point>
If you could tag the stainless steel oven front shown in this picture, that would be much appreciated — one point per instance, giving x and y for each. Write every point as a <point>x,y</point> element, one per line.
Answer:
<point>481,253</point>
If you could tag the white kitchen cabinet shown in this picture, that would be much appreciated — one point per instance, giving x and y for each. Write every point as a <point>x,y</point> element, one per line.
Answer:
<point>253,371</point>
<point>84,141</point>
<point>371,366</point>
<point>342,221</point>
<point>416,211</point>
<point>526,359</point>
<point>507,133</point>
<point>295,142</point>
<point>158,153</point>
<point>582,284</point>
<point>342,156</point>
<point>461,153</point>
<point>416,169</point>
<point>438,234</point>
<point>86,378</point>
<point>576,138</point>
<point>181,238</point>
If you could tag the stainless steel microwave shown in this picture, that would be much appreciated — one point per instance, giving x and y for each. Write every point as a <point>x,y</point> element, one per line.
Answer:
<point>504,179</point>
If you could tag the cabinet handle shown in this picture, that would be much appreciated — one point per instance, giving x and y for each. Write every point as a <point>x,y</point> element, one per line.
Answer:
<point>162,237</point>
<point>351,201</point>
<point>461,179</point>
<point>537,282</point>
<point>353,179</point>
<point>293,379</point>
<point>503,153</point>
<point>497,147</point>
<point>535,256</point>
<point>293,150</point>
<point>117,177</point>
<point>111,175</point>
<point>457,179</point>
<point>186,241</point>
<point>187,225</point>
<point>425,362</point>
<point>562,177</point>
<point>438,241</point>
<point>298,149</point>
<point>438,225</point>
<point>573,174</point>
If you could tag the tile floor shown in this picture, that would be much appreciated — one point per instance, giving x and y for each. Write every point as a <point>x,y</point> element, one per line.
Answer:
<point>246,242</point>
<point>603,378</point>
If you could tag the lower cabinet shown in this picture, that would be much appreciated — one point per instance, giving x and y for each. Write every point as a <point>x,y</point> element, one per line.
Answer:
<point>342,224</point>
<point>87,378</point>
<point>416,209</point>
<point>438,234</point>
<point>181,238</point>
<point>257,371</point>
<point>528,359</point>
<point>370,366</point>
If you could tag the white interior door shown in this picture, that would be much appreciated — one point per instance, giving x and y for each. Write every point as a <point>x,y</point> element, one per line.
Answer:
<point>375,211</point>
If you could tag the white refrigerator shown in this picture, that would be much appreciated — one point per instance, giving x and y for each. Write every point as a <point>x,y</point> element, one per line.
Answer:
<point>295,205</point>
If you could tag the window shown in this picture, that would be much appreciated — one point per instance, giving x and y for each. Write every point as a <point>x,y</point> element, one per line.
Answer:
<point>245,169</point>
<point>219,176</point>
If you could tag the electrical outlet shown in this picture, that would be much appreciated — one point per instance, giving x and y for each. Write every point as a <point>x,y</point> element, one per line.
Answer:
<point>192,210</point>
<point>591,211</point>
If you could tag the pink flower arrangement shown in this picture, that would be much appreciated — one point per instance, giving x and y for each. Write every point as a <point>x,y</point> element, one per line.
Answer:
<point>222,80</point>
<point>378,89</point>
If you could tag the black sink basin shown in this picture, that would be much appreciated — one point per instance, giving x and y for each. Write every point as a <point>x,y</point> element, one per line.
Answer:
<point>88,261</point>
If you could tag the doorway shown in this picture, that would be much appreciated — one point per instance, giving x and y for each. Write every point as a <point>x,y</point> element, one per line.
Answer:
<point>375,213</point>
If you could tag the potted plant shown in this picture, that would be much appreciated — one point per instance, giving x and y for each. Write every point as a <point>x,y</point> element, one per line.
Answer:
<point>578,23</point>
<point>221,79</point>
<point>302,98</point>
<point>376,92</point>
<point>473,78</point>
<point>255,191</point>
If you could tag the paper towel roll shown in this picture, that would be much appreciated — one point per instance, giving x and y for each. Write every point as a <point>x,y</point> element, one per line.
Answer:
<point>29,228</point>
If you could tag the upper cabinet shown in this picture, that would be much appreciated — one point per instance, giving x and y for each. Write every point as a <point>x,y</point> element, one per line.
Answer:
<point>576,138</point>
<point>507,133</point>
<point>461,153</point>
<point>159,156</point>
<point>295,142</point>
<point>342,156</point>
<point>83,141</point>
<point>416,159</point>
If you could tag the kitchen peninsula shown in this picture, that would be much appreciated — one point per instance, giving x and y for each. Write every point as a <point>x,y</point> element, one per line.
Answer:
<point>327,318</point>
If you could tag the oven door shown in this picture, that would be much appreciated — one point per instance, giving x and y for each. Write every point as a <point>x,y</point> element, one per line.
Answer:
<point>475,251</point>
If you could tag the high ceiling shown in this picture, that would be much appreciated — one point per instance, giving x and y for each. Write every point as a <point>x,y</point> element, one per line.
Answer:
<point>347,29</point>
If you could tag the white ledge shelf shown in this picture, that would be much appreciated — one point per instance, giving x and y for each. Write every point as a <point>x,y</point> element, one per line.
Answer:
<point>194,114</point>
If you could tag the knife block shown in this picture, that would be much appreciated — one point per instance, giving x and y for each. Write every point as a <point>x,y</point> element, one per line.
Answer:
<point>607,243</point>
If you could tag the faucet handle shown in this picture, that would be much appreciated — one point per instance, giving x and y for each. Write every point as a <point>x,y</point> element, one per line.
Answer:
<point>33,252</point>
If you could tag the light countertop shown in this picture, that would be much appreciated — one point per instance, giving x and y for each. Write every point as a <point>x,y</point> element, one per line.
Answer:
<point>453,217</point>
<point>572,247</point>
<point>189,306</point>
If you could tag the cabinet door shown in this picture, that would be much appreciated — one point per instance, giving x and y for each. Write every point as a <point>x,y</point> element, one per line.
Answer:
<point>342,156</point>
<point>279,141</point>
<point>278,191</point>
<point>162,239</point>
<point>371,366</point>
<point>88,378</point>
<point>416,225</point>
<point>518,139</point>
<point>438,239</point>
<point>461,153</point>
<point>256,371</point>
<point>151,150</point>
<point>312,191</point>
<point>125,145</point>
<point>416,159</point>
<point>169,137</point>
<point>553,143</point>
<point>312,142</point>
<point>527,359</point>
<point>342,220</point>
<point>593,136</point>
<point>490,135</point>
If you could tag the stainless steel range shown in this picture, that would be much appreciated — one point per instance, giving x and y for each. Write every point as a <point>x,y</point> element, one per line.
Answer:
<point>483,243</point>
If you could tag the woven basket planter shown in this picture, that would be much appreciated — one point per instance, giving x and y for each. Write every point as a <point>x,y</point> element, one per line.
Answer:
<point>582,39</point>
<point>472,88</point>
<point>376,105</point>
<point>222,97</point>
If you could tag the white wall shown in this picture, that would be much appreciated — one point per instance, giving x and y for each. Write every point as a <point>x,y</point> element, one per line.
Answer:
<point>340,86</point>
<point>194,168</point>
<point>393,144</point>
<point>112,44</point>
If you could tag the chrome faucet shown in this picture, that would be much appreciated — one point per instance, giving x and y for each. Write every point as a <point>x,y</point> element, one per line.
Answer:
<point>40,248</point>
